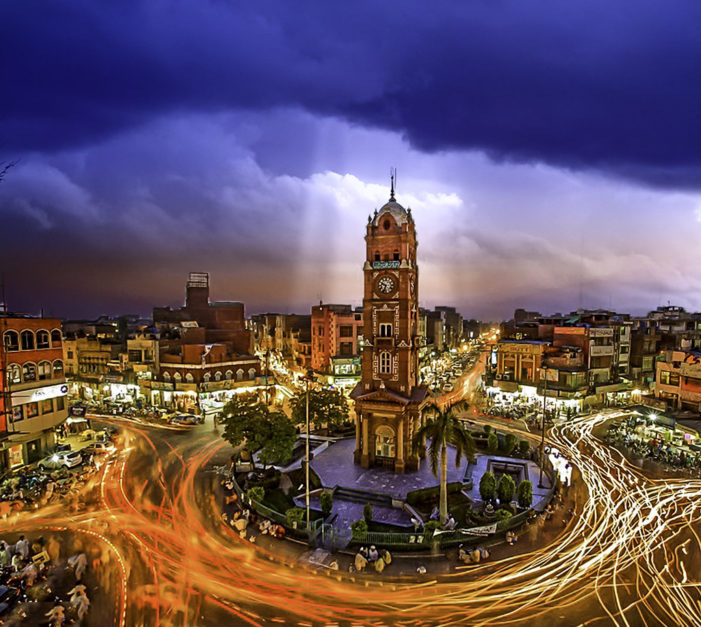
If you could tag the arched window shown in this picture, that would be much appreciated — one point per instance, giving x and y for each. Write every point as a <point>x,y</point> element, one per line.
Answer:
<point>14,374</point>
<point>229,375</point>
<point>395,255</point>
<point>166,376</point>
<point>385,329</point>
<point>44,370</point>
<point>384,441</point>
<point>189,378</point>
<point>385,362</point>
<point>11,341</point>
<point>239,374</point>
<point>377,255</point>
<point>251,373</point>
<point>217,376</point>
<point>56,337</point>
<point>206,377</point>
<point>29,372</point>
<point>27,340</point>
<point>58,369</point>
<point>177,377</point>
<point>43,339</point>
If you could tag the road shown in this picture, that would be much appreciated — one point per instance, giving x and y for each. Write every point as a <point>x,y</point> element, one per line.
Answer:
<point>629,558</point>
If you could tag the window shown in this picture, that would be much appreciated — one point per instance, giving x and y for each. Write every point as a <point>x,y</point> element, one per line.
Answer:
<point>346,348</point>
<point>58,369</point>
<point>60,403</point>
<point>239,374</point>
<point>385,363</point>
<point>70,354</point>
<point>166,376</point>
<point>29,372</point>
<point>669,378</point>
<point>377,256</point>
<point>189,378</point>
<point>31,410</point>
<point>251,373</point>
<point>217,376</point>
<point>17,413</point>
<point>43,339</point>
<point>207,376</point>
<point>229,375</point>
<point>56,337</point>
<point>44,370</point>
<point>345,331</point>
<point>11,341</point>
<point>385,329</point>
<point>384,441</point>
<point>27,340</point>
<point>321,331</point>
<point>177,377</point>
<point>395,255</point>
<point>47,406</point>
<point>14,374</point>
<point>386,224</point>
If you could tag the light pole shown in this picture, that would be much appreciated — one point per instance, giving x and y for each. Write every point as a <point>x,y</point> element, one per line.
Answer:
<point>309,378</point>
<point>542,428</point>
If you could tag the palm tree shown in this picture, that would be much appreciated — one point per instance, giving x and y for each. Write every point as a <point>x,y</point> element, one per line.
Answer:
<point>443,429</point>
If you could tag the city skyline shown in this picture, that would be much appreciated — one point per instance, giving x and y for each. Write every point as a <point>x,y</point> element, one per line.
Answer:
<point>548,167</point>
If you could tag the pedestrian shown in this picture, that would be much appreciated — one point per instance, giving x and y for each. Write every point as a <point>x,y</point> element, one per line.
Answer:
<point>57,615</point>
<point>78,563</point>
<point>373,554</point>
<point>379,565</point>
<point>81,605</point>
<point>78,590</point>
<point>5,554</point>
<point>360,562</point>
<point>386,556</point>
<point>22,547</point>
<point>421,570</point>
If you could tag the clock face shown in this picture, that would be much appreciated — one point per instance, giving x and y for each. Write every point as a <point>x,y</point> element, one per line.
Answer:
<point>386,285</point>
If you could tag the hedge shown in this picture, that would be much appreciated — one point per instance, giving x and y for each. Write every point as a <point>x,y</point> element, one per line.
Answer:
<point>427,494</point>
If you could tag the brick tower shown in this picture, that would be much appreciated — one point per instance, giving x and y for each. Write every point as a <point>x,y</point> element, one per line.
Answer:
<point>388,399</point>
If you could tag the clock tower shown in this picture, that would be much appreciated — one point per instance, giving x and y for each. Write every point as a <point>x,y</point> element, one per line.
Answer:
<point>388,399</point>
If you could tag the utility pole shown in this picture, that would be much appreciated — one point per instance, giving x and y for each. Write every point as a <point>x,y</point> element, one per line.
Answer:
<point>542,428</point>
<point>309,378</point>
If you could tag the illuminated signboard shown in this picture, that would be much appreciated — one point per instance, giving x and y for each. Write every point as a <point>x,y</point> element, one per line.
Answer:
<point>39,394</point>
<point>385,265</point>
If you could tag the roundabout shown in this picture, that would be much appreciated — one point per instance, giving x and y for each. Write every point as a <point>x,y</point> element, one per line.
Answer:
<point>626,558</point>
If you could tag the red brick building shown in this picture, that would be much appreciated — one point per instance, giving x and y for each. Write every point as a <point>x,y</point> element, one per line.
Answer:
<point>336,331</point>
<point>388,399</point>
<point>32,387</point>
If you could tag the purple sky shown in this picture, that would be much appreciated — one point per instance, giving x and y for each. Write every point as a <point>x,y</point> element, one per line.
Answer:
<point>550,151</point>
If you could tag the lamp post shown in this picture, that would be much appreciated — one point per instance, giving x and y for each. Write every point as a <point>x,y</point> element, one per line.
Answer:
<point>309,378</point>
<point>542,428</point>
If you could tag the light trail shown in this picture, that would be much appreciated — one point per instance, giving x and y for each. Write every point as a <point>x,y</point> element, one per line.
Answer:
<point>631,552</point>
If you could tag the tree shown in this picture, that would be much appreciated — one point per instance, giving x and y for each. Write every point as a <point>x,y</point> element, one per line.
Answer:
<point>524,494</point>
<point>326,502</point>
<point>367,513</point>
<point>523,447</point>
<point>326,406</point>
<point>487,429</point>
<point>295,515</point>
<point>256,493</point>
<point>509,443</point>
<point>506,489</point>
<point>492,443</point>
<point>247,420</point>
<point>488,486</point>
<point>442,429</point>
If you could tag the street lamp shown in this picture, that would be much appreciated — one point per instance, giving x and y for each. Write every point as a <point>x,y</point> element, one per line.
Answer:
<point>308,379</point>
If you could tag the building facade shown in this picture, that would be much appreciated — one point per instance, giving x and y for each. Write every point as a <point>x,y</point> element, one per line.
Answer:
<point>389,399</point>
<point>336,336</point>
<point>33,387</point>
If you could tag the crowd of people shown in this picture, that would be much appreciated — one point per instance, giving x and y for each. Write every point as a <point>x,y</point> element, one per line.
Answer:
<point>29,571</point>
<point>370,557</point>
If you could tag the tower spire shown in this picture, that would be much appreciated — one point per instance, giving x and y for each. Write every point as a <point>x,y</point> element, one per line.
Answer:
<point>392,179</point>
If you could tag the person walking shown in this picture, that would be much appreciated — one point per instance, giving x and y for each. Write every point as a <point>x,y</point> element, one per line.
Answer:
<point>22,547</point>
<point>57,615</point>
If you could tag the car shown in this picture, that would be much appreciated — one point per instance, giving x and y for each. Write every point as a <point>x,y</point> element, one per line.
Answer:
<point>99,448</point>
<point>186,419</point>
<point>61,459</point>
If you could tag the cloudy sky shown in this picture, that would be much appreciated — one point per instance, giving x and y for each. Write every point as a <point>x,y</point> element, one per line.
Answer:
<point>550,151</point>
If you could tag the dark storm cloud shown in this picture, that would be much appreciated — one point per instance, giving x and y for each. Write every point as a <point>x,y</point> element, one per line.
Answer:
<point>610,86</point>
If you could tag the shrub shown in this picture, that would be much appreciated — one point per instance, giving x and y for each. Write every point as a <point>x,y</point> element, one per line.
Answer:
<point>256,493</point>
<point>359,529</point>
<point>493,443</point>
<point>295,515</point>
<point>487,429</point>
<point>509,443</point>
<point>488,486</point>
<point>431,526</point>
<point>502,514</point>
<point>506,489</point>
<point>524,446</point>
<point>367,513</point>
<point>326,502</point>
<point>524,494</point>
